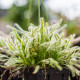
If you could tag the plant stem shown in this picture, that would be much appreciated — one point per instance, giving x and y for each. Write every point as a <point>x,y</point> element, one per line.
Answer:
<point>39,11</point>
<point>30,4</point>
<point>44,10</point>
<point>41,25</point>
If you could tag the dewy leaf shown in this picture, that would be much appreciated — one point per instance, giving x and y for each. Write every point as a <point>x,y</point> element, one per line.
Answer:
<point>3,42</point>
<point>36,69</point>
<point>27,48</point>
<point>11,43</point>
<point>17,36</point>
<point>2,49</point>
<point>52,62</point>
<point>3,56</point>
<point>21,32</point>
<point>22,45</point>
<point>63,27</point>
<point>69,42</point>
<point>60,21</point>
<point>72,69</point>
<point>10,46</point>
<point>18,27</point>
<point>10,62</point>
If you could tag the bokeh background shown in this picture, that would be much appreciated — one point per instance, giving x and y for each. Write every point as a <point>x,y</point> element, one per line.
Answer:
<point>25,12</point>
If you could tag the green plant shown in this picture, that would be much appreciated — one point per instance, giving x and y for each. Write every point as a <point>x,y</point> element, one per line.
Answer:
<point>41,46</point>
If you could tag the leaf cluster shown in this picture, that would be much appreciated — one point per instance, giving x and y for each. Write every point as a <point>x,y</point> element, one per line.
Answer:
<point>41,46</point>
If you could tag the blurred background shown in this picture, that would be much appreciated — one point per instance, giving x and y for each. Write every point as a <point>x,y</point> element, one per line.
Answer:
<point>25,12</point>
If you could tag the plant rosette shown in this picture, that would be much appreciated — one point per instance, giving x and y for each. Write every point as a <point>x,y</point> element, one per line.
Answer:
<point>41,46</point>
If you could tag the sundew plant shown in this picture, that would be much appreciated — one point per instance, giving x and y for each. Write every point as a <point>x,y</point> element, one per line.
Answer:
<point>41,46</point>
